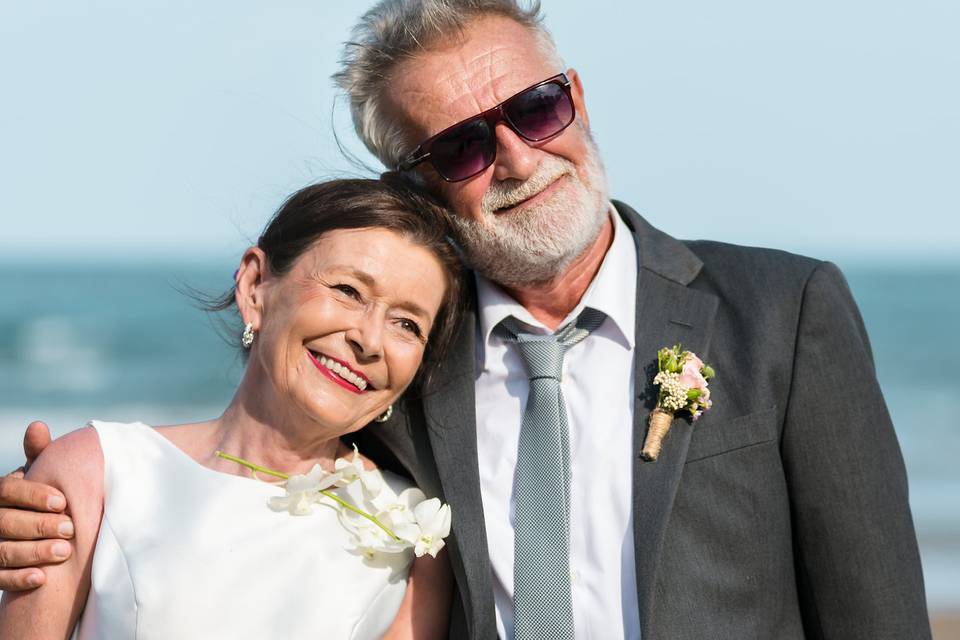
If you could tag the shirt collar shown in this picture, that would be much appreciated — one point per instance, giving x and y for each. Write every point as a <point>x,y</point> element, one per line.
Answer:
<point>612,291</point>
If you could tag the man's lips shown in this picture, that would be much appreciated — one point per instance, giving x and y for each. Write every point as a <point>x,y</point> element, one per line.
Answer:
<point>540,195</point>
<point>340,372</point>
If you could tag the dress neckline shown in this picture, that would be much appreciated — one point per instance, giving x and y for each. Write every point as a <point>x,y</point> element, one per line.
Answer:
<point>189,461</point>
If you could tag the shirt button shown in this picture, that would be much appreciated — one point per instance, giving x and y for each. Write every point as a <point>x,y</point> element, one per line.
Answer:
<point>574,577</point>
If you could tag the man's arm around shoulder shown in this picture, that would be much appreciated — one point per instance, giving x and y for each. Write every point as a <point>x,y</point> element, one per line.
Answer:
<point>33,525</point>
<point>74,465</point>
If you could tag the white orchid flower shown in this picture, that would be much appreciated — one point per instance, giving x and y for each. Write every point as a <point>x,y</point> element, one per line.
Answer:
<point>373,484</point>
<point>359,524</point>
<point>377,520</point>
<point>369,540</point>
<point>431,527</point>
<point>298,504</point>
<point>303,491</point>
<point>399,511</point>
<point>356,494</point>
<point>349,470</point>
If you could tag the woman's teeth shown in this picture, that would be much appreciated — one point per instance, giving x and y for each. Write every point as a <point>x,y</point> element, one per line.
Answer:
<point>343,372</point>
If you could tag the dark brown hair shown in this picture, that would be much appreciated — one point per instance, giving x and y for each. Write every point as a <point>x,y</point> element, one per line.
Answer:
<point>388,203</point>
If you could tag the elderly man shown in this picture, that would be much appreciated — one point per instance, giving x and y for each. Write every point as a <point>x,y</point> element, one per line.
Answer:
<point>782,513</point>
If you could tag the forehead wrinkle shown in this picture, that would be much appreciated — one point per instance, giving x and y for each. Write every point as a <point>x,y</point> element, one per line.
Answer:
<point>482,78</point>
<point>465,83</point>
<point>470,103</point>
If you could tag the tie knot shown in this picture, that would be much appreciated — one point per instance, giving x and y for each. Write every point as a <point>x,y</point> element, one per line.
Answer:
<point>543,354</point>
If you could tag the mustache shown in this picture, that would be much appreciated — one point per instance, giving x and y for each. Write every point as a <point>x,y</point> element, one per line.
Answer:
<point>501,195</point>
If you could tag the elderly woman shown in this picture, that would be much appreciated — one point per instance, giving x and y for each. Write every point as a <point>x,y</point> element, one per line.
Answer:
<point>350,288</point>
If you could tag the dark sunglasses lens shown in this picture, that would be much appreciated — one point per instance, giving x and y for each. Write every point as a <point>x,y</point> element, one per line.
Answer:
<point>541,112</point>
<point>465,151</point>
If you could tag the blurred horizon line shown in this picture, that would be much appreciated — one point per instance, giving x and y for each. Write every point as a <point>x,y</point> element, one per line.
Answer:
<point>200,256</point>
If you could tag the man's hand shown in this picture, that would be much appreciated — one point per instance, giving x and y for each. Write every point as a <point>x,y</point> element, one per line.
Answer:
<point>33,526</point>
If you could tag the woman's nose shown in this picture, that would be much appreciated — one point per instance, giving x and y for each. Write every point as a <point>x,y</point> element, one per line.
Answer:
<point>366,338</point>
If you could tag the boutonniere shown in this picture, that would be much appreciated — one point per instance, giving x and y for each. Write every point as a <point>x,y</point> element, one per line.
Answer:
<point>377,519</point>
<point>682,378</point>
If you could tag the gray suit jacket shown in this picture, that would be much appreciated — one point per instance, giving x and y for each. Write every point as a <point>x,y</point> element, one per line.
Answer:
<point>782,513</point>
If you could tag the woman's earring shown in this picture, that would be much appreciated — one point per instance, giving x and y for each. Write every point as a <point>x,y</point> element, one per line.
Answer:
<point>246,339</point>
<point>383,417</point>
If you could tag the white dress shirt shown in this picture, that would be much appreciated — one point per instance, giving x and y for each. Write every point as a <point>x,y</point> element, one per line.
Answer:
<point>597,389</point>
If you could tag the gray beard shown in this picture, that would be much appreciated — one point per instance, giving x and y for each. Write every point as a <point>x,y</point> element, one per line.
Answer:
<point>535,246</point>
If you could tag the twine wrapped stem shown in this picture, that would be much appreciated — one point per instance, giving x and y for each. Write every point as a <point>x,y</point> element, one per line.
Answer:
<point>658,425</point>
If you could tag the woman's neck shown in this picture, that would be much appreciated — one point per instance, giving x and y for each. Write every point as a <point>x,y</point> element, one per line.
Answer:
<point>257,428</point>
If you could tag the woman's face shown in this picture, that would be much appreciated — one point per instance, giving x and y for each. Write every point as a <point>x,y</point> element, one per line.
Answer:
<point>342,334</point>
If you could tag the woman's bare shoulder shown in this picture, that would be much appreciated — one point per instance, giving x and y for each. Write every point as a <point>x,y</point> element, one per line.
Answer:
<point>72,461</point>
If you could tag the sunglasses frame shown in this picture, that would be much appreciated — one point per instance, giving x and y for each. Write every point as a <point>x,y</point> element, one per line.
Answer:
<point>493,116</point>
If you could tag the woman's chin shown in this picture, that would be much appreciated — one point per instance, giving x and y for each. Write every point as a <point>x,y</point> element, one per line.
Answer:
<point>328,408</point>
<point>336,417</point>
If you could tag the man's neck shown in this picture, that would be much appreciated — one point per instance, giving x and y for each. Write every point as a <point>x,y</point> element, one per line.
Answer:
<point>553,301</point>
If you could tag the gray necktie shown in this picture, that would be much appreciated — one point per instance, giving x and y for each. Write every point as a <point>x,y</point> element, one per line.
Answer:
<point>541,573</point>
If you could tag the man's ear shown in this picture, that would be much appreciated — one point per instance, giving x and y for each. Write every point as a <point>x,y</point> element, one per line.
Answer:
<point>576,90</point>
<point>249,285</point>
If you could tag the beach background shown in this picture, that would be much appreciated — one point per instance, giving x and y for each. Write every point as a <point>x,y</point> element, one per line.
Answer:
<point>143,145</point>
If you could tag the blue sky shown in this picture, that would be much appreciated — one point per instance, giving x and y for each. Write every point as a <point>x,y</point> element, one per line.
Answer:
<point>173,129</point>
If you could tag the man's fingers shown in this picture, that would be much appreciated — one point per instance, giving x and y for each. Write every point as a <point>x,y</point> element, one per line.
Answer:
<point>25,494</point>
<point>35,440</point>
<point>15,554</point>
<point>31,525</point>
<point>21,579</point>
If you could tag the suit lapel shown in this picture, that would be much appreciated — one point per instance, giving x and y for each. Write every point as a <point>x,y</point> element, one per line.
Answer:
<point>450,416</point>
<point>668,312</point>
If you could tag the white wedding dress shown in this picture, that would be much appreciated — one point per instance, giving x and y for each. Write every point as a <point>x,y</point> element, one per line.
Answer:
<point>188,552</point>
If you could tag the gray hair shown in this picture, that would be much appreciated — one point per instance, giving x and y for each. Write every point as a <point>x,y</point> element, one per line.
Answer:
<point>396,30</point>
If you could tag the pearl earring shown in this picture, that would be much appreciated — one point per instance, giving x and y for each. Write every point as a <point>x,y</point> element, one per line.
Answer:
<point>383,417</point>
<point>246,339</point>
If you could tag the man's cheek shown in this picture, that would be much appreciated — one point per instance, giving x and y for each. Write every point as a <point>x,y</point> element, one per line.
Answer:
<point>465,201</point>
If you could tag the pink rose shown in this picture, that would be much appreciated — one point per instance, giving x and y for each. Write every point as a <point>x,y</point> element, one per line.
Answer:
<point>692,359</point>
<point>690,377</point>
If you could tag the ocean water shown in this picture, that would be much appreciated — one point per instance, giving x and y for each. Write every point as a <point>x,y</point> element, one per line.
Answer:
<point>123,342</point>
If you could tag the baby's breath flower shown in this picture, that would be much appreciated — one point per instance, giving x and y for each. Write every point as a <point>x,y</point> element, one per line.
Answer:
<point>673,395</point>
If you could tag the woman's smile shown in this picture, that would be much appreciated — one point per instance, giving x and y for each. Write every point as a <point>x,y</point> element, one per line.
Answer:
<point>340,372</point>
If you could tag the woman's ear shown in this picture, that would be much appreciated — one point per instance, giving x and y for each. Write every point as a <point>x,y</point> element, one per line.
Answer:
<point>249,285</point>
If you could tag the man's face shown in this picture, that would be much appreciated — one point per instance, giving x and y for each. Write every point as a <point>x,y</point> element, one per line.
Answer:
<point>539,205</point>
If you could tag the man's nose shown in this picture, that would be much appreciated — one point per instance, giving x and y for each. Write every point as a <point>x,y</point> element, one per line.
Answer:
<point>516,159</point>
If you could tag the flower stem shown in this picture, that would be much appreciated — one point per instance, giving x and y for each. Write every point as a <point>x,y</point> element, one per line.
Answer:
<point>250,465</point>
<point>361,512</point>
<point>255,468</point>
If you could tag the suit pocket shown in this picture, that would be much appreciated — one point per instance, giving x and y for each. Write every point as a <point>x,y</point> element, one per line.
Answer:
<point>738,433</point>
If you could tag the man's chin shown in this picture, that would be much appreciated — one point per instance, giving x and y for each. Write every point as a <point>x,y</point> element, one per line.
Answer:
<point>517,262</point>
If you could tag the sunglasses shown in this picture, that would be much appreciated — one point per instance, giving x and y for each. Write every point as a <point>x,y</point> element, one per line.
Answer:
<point>468,147</point>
